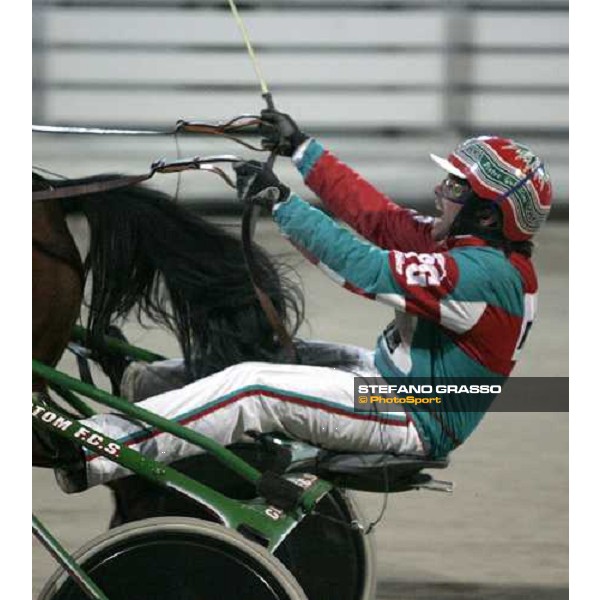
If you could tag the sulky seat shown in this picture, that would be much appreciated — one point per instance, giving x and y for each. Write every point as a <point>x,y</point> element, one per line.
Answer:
<point>369,472</point>
<point>376,472</point>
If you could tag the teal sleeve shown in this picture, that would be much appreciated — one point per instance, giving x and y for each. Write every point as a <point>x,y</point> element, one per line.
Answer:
<point>308,155</point>
<point>352,260</point>
<point>453,287</point>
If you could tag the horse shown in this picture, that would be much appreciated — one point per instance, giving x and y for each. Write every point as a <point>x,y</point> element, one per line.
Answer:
<point>160,261</point>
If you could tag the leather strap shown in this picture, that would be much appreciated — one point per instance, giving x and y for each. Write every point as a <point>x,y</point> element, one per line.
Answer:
<point>229,129</point>
<point>250,215</point>
<point>85,189</point>
<point>160,166</point>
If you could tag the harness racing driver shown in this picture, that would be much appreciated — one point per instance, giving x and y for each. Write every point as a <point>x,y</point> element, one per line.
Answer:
<point>461,284</point>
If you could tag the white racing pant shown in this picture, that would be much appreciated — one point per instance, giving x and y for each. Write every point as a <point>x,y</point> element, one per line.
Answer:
<point>309,403</point>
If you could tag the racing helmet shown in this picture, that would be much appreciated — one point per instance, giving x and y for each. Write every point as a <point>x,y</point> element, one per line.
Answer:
<point>509,174</point>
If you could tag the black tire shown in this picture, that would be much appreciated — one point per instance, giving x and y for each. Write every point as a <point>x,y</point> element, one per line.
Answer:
<point>328,556</point>
<point>173,558</point>
<point>348,572</point>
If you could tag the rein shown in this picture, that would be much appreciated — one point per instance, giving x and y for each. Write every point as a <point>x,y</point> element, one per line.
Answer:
<point>228,129</point>
<point>159,166</point>
<point>249,219</point>
<point>248,225</point>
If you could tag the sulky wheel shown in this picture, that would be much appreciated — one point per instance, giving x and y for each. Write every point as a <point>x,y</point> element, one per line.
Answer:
<point>328,557</point>
<point>175,558</point>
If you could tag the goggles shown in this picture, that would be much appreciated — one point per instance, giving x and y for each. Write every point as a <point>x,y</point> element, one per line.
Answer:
<point>455,190</point>
<point>458,190</point>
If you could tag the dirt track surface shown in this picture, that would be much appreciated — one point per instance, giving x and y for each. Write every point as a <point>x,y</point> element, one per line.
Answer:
<point>503,534</point>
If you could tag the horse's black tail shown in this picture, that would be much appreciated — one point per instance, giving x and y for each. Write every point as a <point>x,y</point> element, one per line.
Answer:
<point>160,259</point>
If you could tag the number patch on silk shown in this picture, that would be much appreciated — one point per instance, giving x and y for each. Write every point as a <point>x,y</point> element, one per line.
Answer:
<point>421,269</point>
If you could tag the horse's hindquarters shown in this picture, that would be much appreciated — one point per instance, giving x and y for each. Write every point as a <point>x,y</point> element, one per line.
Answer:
<point>57,283</point>
<point>56,301</point>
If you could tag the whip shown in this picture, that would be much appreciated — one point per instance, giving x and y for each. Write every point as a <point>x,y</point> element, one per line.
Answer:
<point>251,211</point>
<point>266,94</point>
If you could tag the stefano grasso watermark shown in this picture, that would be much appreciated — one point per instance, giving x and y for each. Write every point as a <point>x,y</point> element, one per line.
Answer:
<point>524,394</point>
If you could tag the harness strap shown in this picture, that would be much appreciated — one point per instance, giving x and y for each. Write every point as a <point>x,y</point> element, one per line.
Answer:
<point>85,189</point>
<point>248,222</point>
<point>82,356</point>
<point>158,166</point>
<point>250,216</point>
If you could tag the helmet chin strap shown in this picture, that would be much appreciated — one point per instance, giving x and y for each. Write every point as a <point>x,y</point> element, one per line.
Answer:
<point>462,225</point>
<point>465,222</point>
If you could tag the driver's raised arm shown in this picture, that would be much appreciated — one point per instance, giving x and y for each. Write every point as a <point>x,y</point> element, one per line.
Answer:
<point>440,286</point>
<point>347,195</point>
<point>412,282</point>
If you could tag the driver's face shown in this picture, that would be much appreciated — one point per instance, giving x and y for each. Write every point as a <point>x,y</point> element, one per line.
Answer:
<point>450,196</point>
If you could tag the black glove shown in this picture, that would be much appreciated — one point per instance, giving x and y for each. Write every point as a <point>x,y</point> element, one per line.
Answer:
<point>280,132</point>
<point>257,184</point>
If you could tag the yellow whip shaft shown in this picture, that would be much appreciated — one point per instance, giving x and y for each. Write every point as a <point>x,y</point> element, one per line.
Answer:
<point>238,19</point>
<point>251,212</point>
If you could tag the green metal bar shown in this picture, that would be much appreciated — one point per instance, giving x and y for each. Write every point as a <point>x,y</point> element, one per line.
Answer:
<point>226,457</point>
<point>272,524</point>
<point>66,561</point>
<point>75,401</point>
<point>103,445</point>
<point>80,335</point>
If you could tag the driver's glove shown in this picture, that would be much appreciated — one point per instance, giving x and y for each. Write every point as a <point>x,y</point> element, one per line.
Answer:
<point>280,133</point>
<point>257,184</point>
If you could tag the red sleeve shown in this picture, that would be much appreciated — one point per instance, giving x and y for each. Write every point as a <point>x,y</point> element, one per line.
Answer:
<point>369,212</point>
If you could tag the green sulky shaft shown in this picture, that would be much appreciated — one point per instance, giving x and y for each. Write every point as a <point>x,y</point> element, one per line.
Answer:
<point>80,335</point>
<point>226,457</point>
<point>257,515</point>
